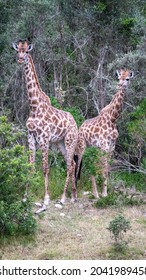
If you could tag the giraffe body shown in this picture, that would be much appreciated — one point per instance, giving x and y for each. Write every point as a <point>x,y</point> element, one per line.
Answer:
<point>101,131</point>
<point>47,125</point>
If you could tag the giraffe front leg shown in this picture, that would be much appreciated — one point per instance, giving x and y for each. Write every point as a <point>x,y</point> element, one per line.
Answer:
<point>46,173</point>
<point>69,173</point>
<point>32,150</point>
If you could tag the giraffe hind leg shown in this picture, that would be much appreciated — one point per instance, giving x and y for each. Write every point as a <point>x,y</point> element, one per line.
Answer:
<point>94,187</point>
<point>70,174</point>
<point>70,143</point>
<point>74,191</point>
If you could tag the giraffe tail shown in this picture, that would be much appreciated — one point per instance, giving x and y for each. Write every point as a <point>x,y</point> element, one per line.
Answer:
<point>77,174</point>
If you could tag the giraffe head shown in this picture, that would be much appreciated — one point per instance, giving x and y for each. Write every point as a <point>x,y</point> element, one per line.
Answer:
<point>124,76</point>
<point>22,49</point>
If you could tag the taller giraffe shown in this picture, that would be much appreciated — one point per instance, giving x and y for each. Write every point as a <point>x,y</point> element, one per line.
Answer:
<point>101,131</point>
<point>46,124</point>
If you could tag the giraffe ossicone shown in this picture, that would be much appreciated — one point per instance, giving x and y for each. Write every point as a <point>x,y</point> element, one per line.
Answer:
<point>47,125</point>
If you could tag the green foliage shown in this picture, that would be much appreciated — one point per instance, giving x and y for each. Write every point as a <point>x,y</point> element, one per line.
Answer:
<point>127,24</point>
<point>104,202</point>
<point>54,102</point>
<point>118,227</point>
<point>8,133</point>
<point>57,181</point>
<point>100,7</point>
<point>137,124</point>
<point>91,167</point>
<point>76,114</point>
<point>15,216</point>
<point>137,137</point>
<point>118,199</point>
<point>91,161</point>
<point>131,179</point>
<point>14,170</point>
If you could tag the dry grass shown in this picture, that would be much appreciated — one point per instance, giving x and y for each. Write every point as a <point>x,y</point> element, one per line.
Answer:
<point>78,231</point>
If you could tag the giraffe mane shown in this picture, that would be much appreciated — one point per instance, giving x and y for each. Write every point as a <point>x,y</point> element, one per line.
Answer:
<point>36,78</point>
<point>44,95</point>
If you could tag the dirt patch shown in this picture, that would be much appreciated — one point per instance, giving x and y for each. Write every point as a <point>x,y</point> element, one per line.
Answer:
<point>78,231</point>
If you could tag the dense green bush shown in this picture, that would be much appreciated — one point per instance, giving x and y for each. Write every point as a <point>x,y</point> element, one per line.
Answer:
<point>118,227</point>
<point>15,215</point>
<point>117,200</point>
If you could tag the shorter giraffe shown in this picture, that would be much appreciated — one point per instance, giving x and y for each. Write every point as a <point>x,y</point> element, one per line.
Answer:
<point>101,131</point>
<point>47,125</point>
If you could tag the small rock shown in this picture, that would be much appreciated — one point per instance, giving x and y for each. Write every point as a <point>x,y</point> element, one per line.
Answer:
<point>62,214</point>
<point>85,193</point>
<point>59,206</point>
<point>38,204</point>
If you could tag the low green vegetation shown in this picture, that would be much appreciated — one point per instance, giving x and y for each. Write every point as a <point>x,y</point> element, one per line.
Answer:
<point>118,228</point>
<point>15,215</point>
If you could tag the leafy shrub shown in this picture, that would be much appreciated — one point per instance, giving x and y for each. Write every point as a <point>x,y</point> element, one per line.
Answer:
<point>118,227</point>
<point>91,160</point>
<point>91,166</point>
<point>14,171</point>
<point>107,201</point>
<point>117,200</point>
<point>15,215</point>
<point>131,179</point>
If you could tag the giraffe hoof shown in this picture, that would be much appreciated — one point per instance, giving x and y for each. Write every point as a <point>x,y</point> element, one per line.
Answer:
<point>59,204</point>
<point>38,204</point>
<point>74,200</point>
<point>42,209</point>
<point>46,200</point>
<point>24,199</point>
<point>104,194</point>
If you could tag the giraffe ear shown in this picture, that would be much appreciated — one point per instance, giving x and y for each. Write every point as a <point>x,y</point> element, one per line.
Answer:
<point>30,47</point>
<point>117,74</point>
<point>14,45</point>
<point>131,74</point>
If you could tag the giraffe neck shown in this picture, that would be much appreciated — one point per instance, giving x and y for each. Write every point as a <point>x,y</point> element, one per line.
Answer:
<point>34,91</point>
<point>116,104</point>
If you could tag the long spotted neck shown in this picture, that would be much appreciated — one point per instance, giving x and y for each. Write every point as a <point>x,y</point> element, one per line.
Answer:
<point>34,91</point>
<point>116,104</point>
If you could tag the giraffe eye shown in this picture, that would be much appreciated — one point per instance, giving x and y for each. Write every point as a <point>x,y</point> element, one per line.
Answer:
<point>127,79</point>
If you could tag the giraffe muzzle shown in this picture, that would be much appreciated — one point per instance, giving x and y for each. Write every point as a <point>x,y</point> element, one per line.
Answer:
<point>20,60</point>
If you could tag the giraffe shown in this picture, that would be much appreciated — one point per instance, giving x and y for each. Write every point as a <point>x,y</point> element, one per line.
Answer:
<point>101,131</point>
<point>47,125</point>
